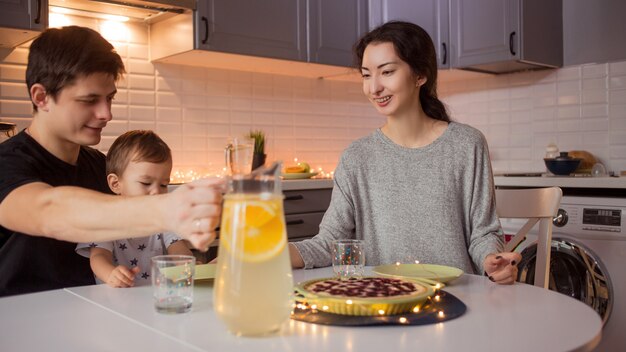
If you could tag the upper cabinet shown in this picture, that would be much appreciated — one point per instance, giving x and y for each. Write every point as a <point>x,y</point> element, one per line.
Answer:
<point>500,36</point>
<point>269,28</point>
<point>334,27</point>
<point>432,15</point>
<point>21,20</point>
<point>274,36</point>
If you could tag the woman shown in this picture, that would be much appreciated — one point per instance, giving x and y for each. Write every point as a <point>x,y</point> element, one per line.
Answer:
<point>420,188</point>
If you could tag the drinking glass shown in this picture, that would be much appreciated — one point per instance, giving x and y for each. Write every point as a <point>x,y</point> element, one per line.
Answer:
<point>172,283</point>
<point>348,257</point>
<point>253,284</point>
<point>238,154</point>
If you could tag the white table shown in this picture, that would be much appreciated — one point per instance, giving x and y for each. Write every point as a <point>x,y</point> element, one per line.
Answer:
<point>99,318</point>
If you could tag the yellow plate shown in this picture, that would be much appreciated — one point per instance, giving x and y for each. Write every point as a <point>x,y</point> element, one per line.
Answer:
<point>298,175</point>
<point>439,273</point>
<point>203,272</point>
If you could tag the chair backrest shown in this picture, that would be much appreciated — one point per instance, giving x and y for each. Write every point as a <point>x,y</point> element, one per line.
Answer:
<point>536,205</point>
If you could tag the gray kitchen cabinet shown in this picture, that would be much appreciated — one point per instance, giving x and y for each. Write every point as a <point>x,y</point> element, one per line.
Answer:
<point>310,38</point>
<point>21,20</point>
<point>432,15</point>
<point>269,28</point>
<point>506,35</point>
<point>304,210</point>
<point>334,27</point>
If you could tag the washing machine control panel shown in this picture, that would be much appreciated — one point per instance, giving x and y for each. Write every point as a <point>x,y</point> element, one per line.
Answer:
<point>597,219</point>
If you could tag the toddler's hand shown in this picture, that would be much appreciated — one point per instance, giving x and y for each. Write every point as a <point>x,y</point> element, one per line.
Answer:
<point>121,276</point>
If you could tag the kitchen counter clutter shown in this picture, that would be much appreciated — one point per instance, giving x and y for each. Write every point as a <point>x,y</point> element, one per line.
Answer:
<point>519,317</point>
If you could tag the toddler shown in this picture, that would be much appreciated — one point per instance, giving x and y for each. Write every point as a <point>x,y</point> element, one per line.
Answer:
<point>138,163</point>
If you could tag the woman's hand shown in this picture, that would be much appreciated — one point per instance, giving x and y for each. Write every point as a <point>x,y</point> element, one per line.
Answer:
<point>193,211</point>
<point>502,267</point>
<point>121,276</point>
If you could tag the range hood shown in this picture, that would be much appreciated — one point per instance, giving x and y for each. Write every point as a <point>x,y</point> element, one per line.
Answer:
<point>149,11</point>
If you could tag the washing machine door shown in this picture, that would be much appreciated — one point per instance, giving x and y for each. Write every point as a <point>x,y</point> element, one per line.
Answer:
<point>574,271</point>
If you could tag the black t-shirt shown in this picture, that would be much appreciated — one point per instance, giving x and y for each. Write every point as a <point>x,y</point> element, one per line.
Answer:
<point>32,263</point>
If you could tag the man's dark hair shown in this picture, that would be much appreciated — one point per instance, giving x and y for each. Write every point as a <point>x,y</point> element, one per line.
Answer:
<point>60,55</point>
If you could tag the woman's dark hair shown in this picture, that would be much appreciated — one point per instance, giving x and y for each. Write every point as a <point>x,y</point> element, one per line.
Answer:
<point>414,46</point>
<point>137,146</point>
<point>60,55</point>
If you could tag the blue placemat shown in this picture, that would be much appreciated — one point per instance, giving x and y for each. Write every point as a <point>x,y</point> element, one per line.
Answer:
<point>449,305</point>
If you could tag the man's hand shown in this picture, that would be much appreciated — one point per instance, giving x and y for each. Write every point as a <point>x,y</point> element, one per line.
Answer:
<point>193,211</point>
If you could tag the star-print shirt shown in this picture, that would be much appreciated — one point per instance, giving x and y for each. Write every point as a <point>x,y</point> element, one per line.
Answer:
<point>134,252</point>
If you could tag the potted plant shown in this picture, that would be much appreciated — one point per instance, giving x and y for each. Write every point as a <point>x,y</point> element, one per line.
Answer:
<point>258,158</point>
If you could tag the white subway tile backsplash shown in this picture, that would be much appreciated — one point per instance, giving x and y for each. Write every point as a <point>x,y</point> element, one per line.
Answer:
<point>116,127</point>
<point>194,129</point>
<point>594,110</point>
<point>236,90</point>
<point>12,73</point>
<point>140,67</point>
<point>595,83</point>
<point>169,114</point>
<point>143,113</point>
<point>195,109</point>
<point>10,90</point>
<point>142,98</point>
<point>119,111</point>
<point>595,124</point>
<point>202,102</point>
<point>594,96</point>
<point>141,125</point>
<point>617,68</point>
<point>15,108</point>
<point>220,130</point>
<point>568,125</point>
<point>195,143</point>
<point>169,128</point>
<point>595,138</point>
<point>618,96</point>
<point>263,92</point>
<point>569,140</point>
<point>16,56</point>
<point>594,70</point>
<point>568,74</point>
<point>260,104</point>
<point>568,112</point>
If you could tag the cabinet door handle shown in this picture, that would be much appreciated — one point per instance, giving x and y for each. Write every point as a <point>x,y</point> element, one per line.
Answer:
<point>295,222</point>
<point>445,54</point>
<point>206,30</point>
<point>296,197</point>
<point>38,19</point>
<point>511,43</point>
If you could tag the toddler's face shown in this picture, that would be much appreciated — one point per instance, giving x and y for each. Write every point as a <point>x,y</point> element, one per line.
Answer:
<point>145,178</point>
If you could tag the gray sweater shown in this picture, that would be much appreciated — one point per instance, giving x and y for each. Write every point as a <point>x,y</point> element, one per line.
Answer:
<point>434,204</point>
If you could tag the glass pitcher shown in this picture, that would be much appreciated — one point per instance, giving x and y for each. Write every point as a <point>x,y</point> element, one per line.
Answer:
<point>253,284</point>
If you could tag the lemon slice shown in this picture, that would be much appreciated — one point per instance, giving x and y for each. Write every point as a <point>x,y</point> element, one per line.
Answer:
<point>252,230</point>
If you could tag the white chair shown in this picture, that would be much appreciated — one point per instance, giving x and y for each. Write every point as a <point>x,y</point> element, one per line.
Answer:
<point>536,205</point>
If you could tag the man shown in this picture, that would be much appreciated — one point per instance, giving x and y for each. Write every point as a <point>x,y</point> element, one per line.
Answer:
<point>51,182</point>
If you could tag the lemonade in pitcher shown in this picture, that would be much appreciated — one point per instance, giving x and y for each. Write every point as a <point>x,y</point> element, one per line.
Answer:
<point>253,285</point>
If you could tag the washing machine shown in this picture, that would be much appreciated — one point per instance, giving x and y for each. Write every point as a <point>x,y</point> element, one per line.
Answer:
<point>587,259</point>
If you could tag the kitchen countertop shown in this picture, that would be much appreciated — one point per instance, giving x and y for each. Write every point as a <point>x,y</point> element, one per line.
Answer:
<point>510,318</point>
<point>313,183</point>
<point>561,181</point>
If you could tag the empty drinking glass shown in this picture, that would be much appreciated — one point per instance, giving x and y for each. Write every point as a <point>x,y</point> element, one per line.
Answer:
<point>172,283</point>
<point>348,258</point>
